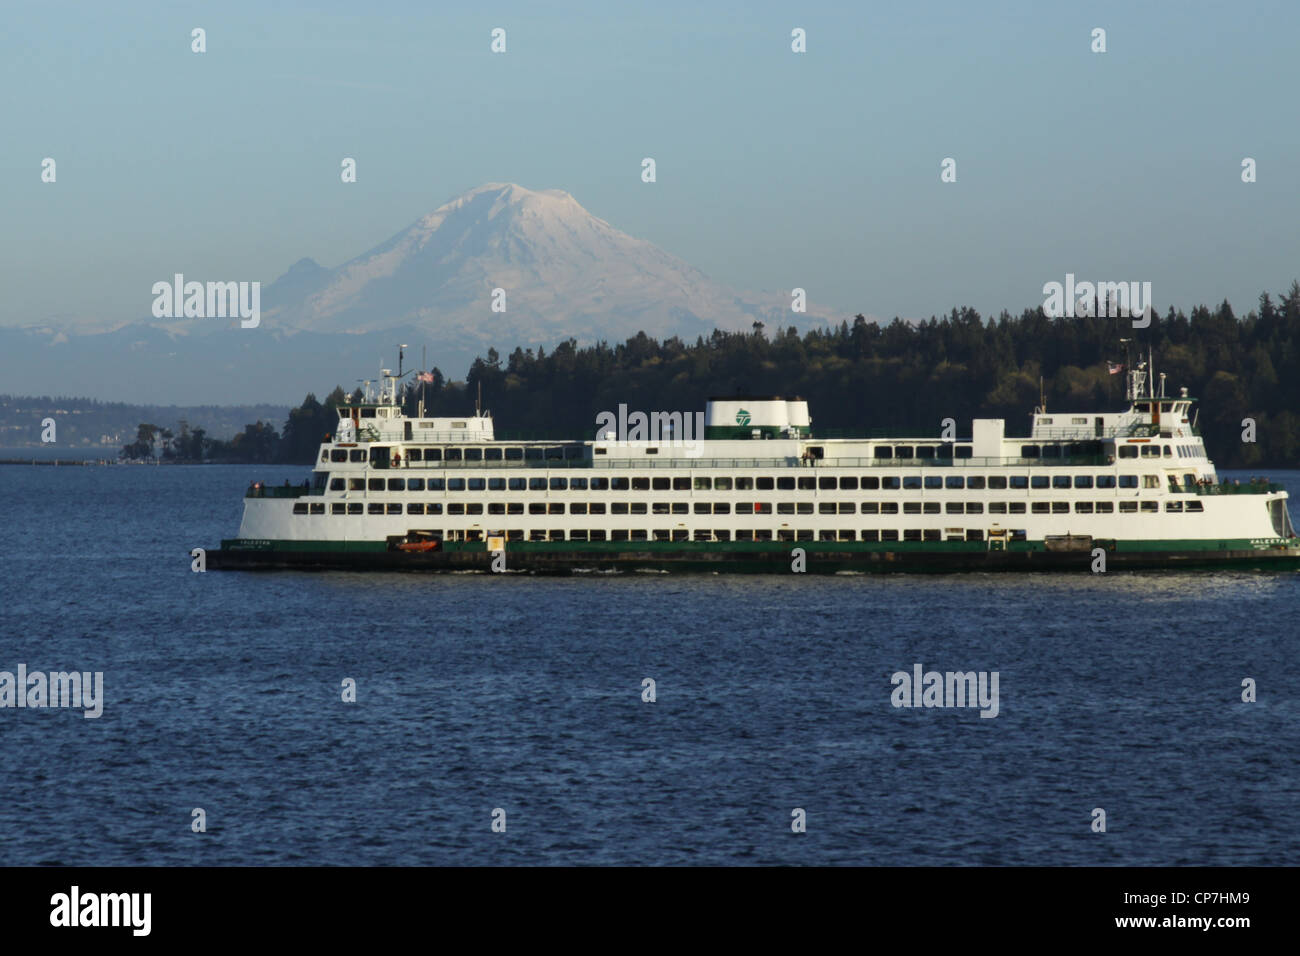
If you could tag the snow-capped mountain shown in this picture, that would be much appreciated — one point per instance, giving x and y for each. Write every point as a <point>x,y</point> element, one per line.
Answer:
<point>561,271</point>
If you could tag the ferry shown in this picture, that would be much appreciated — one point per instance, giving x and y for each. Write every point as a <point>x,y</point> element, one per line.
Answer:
<point>759,491</point>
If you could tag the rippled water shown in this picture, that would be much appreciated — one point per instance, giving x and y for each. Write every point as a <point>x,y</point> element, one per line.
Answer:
<point>222,691</point>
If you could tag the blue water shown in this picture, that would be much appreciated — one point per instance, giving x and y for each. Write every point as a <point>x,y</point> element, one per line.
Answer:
<point>222,692</point>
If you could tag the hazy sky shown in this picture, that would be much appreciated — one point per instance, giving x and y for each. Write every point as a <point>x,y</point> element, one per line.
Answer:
<point>775,169</point>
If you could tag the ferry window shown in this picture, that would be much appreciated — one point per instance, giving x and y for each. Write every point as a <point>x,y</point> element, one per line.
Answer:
<point>965,451</point>
<point>1083,481</point>
<point>703,508</point>
<point>721,484</point>
<point>1018,481</point>
<point>954,481</point>
<point>512,484</point>
<point>954,508</point>
<point>1105,481</point>
<point>357,454</point>
<point>597,534</point>
<point>600,484</point>
<point>598,451</point>
<point>870,483</point>
<point>870,508</point>
<point>338,454</point>
<point>933,481</point>
<point>912,481</point>
<point>1150,481</point>
<point>911,507</point>
<point>537,534</point>
<point>1195,506</point>
<point>375,484</point>
<point>433,454</point>
<point>1150,451</point>
<point>977,483</point>
<point>1083,507</point>
<point>1128,507</point>
<point>597,507</point>
<point>638,508</point>
<point>396,484</point>
<point>871,535</point>
<point>414,484</point>
<point>659,508</point>
<point>1128,451</point>
<point>744,484</point>
<point>555,508</point>
<point>826,483</point>
<point>395,508</point>
<point>1128,481</point>
<point>924,451</point>
<point>1051,451</point>
<point>1168,452</point>
<point>1030,451</point>
<point>932,534</point>
<point>903,451</point>
<point>785,508</point>
<point>414,454</point>
<point>496,508</point>
<point>806,483</point>
<point>805,508</point>
<point>618,484</point>
<point>496,484</point>
<point>354,508</point>
<point>826,536</point>
<point>889,507</point>
<point>337,484</point>
<point>1150,506</point>
<point>433,508</point>
<point>1173,506</point>
<point>514,507</point>
<point>889,535</point>
<point>884,451</point>
<point>578,535</point>
<point>555,453</point>
<point>1060,507</point>
<point>1041,508</point>
<point>660,484</point>
<point>300,508</point>
<point>577,484</point>
<point>930,507</point>
<point>536,484</point>
<point>455,509</point>
<point>1038,481</point>
<point>453,454</point>
<point>514,454</point>
<point>1166,406</point>
<point>848,484</point>
<point>555,535</point>
<point>477,484</point>
<point>826,508</point>
<point>559,484</point>
<point>1016,507</point>
<point>578,508</point>
<point>455,484</point>
<point>1105,507</point>
<point>785,484</point>
<point>532,454</point>
<point>338,508</point>
<point>660,534</point>
<point>912,534</point>
<point>640,484</point>
<point>744,507</point>
<point>618,508</point>
<point>973,534</point>
<point>803,535</point>
<point>539,508</point>
<point>975,507</point>
<point>473,454</point>
<point>784,534</point>
<point>681,484</point>
<point>367,413</point>
<point>648,451</point>
<point>1060,481</point>
<point>889,483</point>
<point>375,509</point>
<point>618,535</point>
<point>491,454</point>
<point>572,452</point>
<point>997,507</point>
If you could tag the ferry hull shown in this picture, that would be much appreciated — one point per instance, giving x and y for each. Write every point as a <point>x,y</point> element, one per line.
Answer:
<point>819,557</point>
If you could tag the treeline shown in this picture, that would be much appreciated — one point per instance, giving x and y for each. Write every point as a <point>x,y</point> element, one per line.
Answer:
<point>901,377</point>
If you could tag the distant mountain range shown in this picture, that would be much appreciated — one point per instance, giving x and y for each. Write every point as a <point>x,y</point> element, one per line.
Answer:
<point>561,272</point>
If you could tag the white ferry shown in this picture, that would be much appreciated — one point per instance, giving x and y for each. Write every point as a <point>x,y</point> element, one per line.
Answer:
<point>760,492</point>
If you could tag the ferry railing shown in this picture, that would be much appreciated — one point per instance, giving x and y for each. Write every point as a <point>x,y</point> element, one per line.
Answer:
<point>1249,488</point>
<point>272,491</point>
<point>1075,461</point>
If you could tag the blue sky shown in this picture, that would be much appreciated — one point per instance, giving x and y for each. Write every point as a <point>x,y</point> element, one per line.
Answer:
<point>775,170</point>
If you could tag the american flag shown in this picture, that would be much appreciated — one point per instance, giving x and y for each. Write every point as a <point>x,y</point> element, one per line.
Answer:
<point>425,377</point>
<point>1113,368</point>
